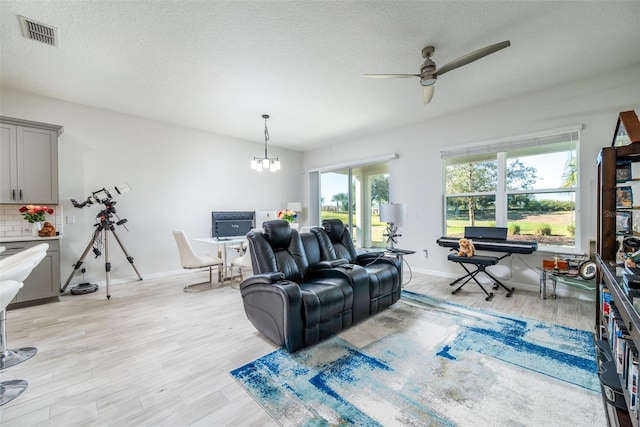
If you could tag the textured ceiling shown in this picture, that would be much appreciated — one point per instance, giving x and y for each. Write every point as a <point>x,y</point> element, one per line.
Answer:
<point>218,66</point>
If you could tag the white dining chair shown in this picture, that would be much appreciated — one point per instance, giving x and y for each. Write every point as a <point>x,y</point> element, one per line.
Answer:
<point>240,262</point>
<point>190,260</point>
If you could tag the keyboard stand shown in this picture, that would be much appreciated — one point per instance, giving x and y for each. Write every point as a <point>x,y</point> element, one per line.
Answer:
<point>481,262</point>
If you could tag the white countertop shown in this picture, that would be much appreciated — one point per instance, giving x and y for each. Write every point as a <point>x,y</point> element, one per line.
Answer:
<point>27,238</point>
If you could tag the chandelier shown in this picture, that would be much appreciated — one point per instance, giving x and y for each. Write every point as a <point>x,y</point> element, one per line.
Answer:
<point>266,162</point>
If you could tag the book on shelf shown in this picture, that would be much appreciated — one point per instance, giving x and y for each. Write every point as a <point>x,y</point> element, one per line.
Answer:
<point>623,171</point>
<point>623,222</point>
<point>619,340</point>
<point>631,376</point>
<point>605,297</point>
<point>622,339</point>
<point>624,197</point>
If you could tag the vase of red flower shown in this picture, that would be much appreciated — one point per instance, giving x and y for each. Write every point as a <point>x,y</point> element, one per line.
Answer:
<point>288,215</point>
<point>35,216</point>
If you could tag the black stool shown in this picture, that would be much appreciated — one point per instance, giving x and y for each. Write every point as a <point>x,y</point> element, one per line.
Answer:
<point>481,262</point>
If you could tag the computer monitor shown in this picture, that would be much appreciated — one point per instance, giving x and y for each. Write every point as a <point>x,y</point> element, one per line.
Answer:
<point>230,224</point>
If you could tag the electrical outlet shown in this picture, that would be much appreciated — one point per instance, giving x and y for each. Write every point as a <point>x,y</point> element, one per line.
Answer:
<point>26,228</point>
<point>426,253</point>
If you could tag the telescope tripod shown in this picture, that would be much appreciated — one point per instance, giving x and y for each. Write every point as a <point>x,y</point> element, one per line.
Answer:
<point>105,226</point>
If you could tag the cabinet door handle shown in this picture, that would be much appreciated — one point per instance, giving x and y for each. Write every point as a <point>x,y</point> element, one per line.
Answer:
<point>21,194</point>
<point>13,194</point>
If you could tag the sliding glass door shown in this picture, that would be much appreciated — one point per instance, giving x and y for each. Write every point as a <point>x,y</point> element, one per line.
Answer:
<point>354,195</point>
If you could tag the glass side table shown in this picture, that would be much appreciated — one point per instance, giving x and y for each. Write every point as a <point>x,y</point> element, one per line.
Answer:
<point>556,276</point>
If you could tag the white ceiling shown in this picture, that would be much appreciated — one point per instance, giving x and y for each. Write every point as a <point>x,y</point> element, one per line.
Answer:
<point>219,65</point>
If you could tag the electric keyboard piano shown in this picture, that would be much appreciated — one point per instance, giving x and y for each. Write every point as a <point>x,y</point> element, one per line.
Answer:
<point>492,239</point>
<point>511,246</point>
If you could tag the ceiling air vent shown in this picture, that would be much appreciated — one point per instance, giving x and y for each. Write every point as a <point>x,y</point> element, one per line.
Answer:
<point>38,31</point>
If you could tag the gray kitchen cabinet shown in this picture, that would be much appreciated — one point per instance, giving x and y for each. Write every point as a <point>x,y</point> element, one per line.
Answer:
<point>28,161</point>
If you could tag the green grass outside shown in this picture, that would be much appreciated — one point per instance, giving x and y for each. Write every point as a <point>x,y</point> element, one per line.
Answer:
<point>457,227</point>
<point>454,227</point>
<point>377,227</point>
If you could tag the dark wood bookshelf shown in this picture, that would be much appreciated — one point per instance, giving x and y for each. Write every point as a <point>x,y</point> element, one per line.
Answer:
<point>610,272</point>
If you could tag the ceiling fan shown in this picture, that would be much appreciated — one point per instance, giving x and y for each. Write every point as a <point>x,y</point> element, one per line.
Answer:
<point>428,72</point>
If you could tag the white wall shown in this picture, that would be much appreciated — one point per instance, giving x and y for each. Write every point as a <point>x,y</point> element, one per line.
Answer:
<point>416,177</point>
<point>177,176</point>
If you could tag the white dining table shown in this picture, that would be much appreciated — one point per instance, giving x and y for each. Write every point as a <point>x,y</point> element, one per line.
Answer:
<point>222,245</point>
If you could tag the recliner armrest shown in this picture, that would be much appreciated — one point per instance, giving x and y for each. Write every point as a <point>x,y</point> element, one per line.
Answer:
<point>378,258</point>
<point>275,309</point>
<point>369,256</point>
<point>265,278</point>
<point>323,265</point>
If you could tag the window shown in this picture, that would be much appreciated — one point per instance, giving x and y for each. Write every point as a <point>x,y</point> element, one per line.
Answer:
<point>354,195</point>
<point>529,186</point>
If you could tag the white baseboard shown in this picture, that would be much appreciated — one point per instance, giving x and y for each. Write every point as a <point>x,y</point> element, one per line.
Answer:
<point>159,275</point>
<point>561,290</point>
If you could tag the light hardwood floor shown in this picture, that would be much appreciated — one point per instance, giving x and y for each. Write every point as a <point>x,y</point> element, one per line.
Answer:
<point>154,355</point>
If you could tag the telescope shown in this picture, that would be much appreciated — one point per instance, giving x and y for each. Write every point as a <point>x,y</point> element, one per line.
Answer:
<point>105,225</point>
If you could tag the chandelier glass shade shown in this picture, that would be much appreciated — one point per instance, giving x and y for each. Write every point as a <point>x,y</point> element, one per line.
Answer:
<point>261,163</point>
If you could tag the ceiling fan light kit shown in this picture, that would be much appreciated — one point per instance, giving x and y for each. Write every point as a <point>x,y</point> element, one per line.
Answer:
<point>429,72</point>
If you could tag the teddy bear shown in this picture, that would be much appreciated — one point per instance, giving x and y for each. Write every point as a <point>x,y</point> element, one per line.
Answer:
<point>466,248</point>
<point>48,230</point>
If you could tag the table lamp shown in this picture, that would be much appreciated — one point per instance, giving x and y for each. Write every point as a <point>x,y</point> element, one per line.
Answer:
<point>294,206</point>
<point>392,214</point>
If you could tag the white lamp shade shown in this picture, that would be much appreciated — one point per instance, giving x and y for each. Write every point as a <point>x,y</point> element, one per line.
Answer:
<point>294,206</point>
<point>394,212</point>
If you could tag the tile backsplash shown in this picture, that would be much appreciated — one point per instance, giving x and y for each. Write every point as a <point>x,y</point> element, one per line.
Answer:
<point>12,224</point>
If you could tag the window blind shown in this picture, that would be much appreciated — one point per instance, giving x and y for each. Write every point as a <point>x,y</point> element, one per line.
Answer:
<point>482,150</point>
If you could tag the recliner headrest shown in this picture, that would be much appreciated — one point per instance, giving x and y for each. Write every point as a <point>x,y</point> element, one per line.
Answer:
<point>278,233</point>
<point>334,228</point>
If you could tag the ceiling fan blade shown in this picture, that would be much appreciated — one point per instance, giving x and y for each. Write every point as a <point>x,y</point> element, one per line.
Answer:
<point>391,76</point>
<point>428,93</point>
<point>473,56</point>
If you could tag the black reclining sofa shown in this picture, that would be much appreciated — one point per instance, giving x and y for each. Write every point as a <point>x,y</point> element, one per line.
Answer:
<point>298,296</point>
<point>385,273</point>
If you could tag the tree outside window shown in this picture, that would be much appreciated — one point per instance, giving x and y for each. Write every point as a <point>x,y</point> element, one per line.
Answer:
<point>530,190</point>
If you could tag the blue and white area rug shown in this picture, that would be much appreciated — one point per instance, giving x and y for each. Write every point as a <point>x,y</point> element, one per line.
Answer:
<point>428,362</point>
